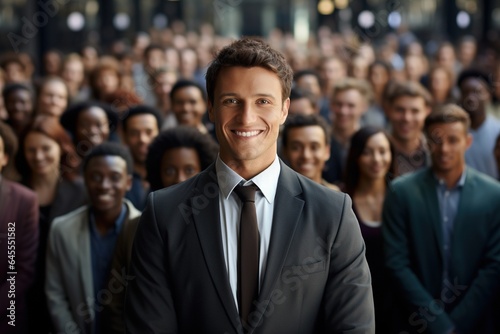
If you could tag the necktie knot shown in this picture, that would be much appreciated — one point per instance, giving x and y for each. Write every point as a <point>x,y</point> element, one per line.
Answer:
<point>246,193</point>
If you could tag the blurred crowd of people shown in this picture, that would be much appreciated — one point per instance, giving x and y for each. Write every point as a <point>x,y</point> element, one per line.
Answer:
<point>87,135</point>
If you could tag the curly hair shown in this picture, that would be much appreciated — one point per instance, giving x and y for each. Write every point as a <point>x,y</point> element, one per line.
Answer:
<point>69,118</point>
<point>181,136</point>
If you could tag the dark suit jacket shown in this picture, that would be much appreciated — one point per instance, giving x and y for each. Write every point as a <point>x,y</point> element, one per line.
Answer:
<point>317,279</point>
<point>19,211</point>
<point>412,231</point>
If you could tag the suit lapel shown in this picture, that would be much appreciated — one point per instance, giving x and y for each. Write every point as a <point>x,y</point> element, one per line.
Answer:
<point>206,217</point>
<point>432,203</point>
<point>85,261</point>
<point>287,211</point>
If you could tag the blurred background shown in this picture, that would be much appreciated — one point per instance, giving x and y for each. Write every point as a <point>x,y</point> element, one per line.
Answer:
<point>35,27</point>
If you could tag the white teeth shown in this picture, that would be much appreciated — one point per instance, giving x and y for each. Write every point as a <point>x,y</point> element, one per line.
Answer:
<point>104,197</point>
<point>247,134</point>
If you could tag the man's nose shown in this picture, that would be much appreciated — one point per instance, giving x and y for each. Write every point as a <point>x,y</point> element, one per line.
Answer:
<point>105,183</point>
<point>247,113</point>
<point>181,176</point>
<point>307,153</point>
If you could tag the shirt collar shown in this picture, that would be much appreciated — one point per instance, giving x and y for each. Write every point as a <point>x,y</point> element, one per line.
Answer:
<point>267,180</point>
<point>118,222</point>
<point>459,184</point>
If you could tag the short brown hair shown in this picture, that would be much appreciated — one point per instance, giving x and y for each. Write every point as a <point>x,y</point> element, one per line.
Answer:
<point>408,88</point>
<point>250,52</point>
<point>445,114</point>
<point>300,121</point>
<point>362,86</point>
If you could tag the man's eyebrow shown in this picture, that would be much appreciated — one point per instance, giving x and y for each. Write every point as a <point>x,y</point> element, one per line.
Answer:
<point>231,94</point>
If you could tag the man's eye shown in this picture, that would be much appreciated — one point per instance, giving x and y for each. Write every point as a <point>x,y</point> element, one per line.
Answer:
<point>264,101</point>
<point>315,147</point>
<point>230,101</point>
<point>170,171</point>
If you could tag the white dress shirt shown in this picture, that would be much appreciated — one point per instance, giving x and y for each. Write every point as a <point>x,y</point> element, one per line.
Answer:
<point>230,211</point>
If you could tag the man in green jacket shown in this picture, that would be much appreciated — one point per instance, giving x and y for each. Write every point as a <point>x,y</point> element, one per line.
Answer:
<point>441,228</point>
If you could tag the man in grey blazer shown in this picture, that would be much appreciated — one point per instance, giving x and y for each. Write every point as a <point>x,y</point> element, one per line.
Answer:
<point>312,274</point>
<point>81,243</point>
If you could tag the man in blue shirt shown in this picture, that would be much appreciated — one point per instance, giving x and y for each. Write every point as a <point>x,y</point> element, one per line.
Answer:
<point>81,243</point>
<point>475,89</point>
<point>441,231</point>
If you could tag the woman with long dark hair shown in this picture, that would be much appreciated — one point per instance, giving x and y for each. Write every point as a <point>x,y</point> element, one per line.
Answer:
<point>369,169</point>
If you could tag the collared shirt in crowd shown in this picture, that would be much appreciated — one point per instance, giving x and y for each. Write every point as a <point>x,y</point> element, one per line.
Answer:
<point>101,252</point>
<point>449,199</point>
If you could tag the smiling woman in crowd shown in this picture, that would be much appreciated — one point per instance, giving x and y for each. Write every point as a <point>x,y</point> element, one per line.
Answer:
<point>48,164</point>
<point>369,169</point>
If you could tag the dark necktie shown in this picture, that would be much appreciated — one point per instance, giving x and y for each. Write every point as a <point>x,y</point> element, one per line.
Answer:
<point>248,251</point>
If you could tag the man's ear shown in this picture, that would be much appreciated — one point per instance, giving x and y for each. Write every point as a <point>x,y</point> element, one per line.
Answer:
<point>428,110</point>
<point>284,110</point>
<point>366,106</point>
<point>129,182</point>
<point>470,139</point>
<point>327,152</point>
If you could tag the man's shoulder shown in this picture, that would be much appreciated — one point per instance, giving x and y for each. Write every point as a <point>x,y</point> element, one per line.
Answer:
<point>71,220</point>
<point>491,126</point>
<point>411,178</point>
<point>133,212</point>
<point>484,181</point>
<point>21,192</point>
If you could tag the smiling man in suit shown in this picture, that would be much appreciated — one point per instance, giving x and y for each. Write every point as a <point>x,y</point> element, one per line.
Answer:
<point>441,232</point>
<point>208,259</point>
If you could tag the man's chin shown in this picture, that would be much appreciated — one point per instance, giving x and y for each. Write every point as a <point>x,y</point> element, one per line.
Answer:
<point>103,207</point>
<point>442,168</point>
